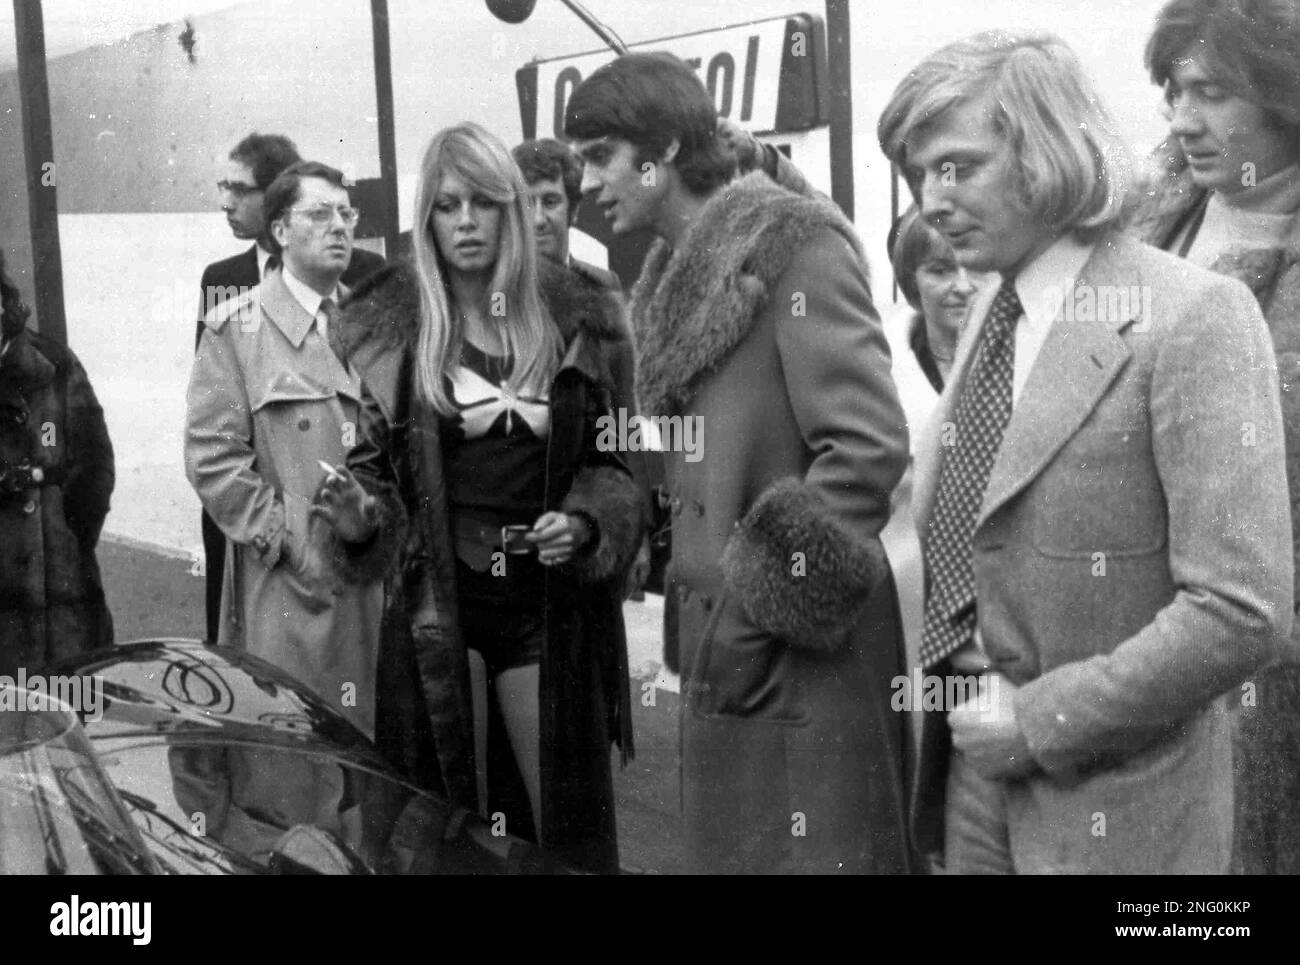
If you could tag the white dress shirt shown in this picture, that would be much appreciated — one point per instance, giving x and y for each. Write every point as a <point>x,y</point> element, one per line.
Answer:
<point>1042,286</point>
<point>310,299</point>
<point>263,256</point>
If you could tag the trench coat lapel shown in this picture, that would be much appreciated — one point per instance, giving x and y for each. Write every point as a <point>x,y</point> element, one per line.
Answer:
<point>284,311</point>
<point>287,314</point>
<point>1078,360</point>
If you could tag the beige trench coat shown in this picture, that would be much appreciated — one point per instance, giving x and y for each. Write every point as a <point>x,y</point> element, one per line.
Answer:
<point>269,399</point>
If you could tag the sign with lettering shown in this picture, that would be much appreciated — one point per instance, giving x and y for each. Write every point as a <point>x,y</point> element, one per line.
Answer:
<point>769,75</point>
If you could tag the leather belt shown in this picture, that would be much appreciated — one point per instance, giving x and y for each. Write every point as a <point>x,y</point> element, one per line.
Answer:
<point>476,530</point>
<point>477,539</point>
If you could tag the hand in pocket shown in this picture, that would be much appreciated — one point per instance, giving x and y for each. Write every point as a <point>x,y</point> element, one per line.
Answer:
<point>743,671</point>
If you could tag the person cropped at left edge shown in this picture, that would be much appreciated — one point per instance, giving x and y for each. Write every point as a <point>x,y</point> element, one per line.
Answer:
<point>268,402</point>
<point>56,477</point>
<point>489,370</point>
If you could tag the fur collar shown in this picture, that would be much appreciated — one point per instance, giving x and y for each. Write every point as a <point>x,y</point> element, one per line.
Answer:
<point>1170,196</point>
<point>692,306</point>
<point>27,363</point>
<point>1165,197</point>
<point>384,309</point>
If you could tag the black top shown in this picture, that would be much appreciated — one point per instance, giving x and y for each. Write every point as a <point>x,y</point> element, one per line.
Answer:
<point>494,448</point>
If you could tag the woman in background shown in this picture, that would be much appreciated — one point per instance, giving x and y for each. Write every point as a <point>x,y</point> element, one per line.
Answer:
<point>56,477</point>
<point>487,384</point>
<point>1227,197</point>
<point>939,290</point>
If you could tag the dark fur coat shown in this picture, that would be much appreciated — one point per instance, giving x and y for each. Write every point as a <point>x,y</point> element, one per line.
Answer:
<point>425,720</point>
<point>51,597</point>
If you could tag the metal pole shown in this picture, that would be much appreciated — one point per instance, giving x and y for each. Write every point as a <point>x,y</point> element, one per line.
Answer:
<point>38,152</point>
<point>387,127</point>
<point>603,32</point>
<point>840,77</point>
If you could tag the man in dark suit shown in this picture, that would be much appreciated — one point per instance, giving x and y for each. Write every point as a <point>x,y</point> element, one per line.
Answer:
<point>1101,493</point>
<point>252,165</point>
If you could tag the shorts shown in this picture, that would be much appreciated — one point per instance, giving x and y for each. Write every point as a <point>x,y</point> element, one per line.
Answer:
<point>503,618</point>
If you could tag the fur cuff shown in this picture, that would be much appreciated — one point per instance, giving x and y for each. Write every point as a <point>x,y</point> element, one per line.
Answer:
<point>813,605</point>
<point>360,563</point>
<point>614,501</point>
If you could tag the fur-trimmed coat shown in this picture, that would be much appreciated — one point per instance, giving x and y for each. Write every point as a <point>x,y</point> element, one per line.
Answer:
<point>425,722</point>
<point>782,615</point>
<point>51,597</point>
<point>1266,737</point>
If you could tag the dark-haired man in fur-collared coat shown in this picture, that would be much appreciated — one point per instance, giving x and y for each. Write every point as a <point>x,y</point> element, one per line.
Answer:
<point>754,324</point>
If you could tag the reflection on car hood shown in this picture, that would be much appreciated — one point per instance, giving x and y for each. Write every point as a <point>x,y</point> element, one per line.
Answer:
<point>183,687</point>
<point>229,766</point>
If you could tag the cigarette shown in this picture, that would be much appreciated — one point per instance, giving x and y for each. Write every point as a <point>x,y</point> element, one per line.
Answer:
<point>334,473</point>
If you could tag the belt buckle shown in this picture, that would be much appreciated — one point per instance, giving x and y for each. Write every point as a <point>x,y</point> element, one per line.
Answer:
<point>512,539</point>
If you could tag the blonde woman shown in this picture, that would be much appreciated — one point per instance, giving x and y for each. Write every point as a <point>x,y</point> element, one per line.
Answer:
<point>477,466</point>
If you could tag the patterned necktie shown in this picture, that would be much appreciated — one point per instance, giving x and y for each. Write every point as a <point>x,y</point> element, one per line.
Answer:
<point>982,416</point>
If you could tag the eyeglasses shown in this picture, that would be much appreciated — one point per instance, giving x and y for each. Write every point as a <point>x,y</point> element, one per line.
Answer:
<point>238,188</point>
<point>322,214</point>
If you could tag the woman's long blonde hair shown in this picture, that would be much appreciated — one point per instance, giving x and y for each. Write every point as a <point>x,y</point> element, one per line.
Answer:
<point>531,338</point>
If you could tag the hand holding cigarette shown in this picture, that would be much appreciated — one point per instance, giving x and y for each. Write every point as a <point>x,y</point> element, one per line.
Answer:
<point>344,504</point>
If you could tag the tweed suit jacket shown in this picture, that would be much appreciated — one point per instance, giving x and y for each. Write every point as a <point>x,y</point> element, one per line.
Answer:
<point>1132,563</point>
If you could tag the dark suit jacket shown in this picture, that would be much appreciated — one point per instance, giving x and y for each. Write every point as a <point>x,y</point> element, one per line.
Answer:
<point>226,278</point>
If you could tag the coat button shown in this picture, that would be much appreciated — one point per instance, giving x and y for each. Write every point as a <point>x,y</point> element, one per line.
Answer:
<point>707,601</point>
<point>29,507</point>
<point>698,507</point>
<point>304,424</point>
<point>677,506</point>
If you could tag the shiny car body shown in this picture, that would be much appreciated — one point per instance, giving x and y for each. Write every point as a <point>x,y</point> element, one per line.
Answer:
<point>205,760</point>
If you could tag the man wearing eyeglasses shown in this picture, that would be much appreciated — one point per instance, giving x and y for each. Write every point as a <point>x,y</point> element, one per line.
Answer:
<point>269,401</point>
<point>252,165</point>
